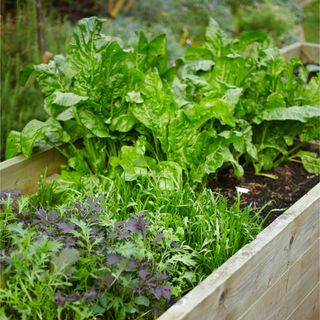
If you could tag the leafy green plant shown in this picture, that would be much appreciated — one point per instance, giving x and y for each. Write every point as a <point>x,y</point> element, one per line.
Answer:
<point>89,256</point>
<point>136,115</point>
<point>22,103</point>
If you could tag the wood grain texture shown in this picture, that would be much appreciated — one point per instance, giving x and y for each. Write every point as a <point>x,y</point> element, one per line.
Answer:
<point>307,52</point>
<point>292,51</point>
<point>281,299</point>
<point>308,309</point>
<point>310,52</point>
<point>230,291</point>
<point>23,174</point>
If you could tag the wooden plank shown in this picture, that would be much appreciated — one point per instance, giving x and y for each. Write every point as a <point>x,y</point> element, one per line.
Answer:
<point>23,174</point>
<point>307,52</point>
<point>292,51</point>
<point>229,291</point>
<point>308,309</point>
<point>281,299</point>
<point>310,52</point>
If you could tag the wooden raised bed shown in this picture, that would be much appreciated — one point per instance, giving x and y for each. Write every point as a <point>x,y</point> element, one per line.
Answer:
<point>276,276</point>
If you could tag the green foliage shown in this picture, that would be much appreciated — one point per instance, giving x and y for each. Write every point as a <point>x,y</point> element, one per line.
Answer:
<point>138,116</point>
<point>103,248</point>
<point>274,19</point>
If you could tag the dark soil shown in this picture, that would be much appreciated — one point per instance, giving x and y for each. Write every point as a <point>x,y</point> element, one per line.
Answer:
<point>292,183</point>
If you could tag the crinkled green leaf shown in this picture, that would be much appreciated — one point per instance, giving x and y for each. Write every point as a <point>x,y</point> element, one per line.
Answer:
<point>123,123</point>
<point>310,161</point>
<point>93,122</point>
<point>211,108</point>
<point>228,157</point>
<point>200,65</point>
<point>168,175</point>
<point>134,163</point>
<point>214,37</point>
<point>298,113</point>
<point>65,115</point>
<point>275,100</point>
<point>67,99</point>
<point>36,131</point>
<point>158,107</point>
<point>13,144</point>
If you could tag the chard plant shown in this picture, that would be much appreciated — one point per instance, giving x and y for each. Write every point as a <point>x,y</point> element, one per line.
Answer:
<point>126,111</point>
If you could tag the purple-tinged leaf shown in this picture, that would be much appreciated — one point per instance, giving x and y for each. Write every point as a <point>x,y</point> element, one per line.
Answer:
<point>132,265</point>
<point>143,274</point>
<point>41,213</point>
<point>137,225</point>
<point>113,258</point>
<point>163,291</point>
<point>66,227</point>
<point>161,277</point>
<point>53,215</point>
<point>93,204</point>
<point>123,235</point>
<point>118,225</point>
<point>90,295</point>
<point>131,225</point>
<point>141,214</point>
<point>158,237</point>
<point>174,244</point>
<point>12,192</point>
<point>61,299</point>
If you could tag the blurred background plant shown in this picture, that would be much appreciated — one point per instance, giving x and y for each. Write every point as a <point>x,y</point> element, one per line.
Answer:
<point>183,21</point>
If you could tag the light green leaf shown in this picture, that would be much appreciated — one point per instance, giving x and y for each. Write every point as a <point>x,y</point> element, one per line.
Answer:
<point>214,37</point>
<point>310,161</point>
<point>94,123</point>
<point>13,144</point>
<point>200,65</point>
<point>275,100</point>
<point>134,163</point>
<point>64,260</point>
<point>168,175</point>
<point>36,131</point>
<point>228,157</point>
<point>123,123</point>
<point>65,115</point>
<point>134,97</point>
<point>67,99</point>
<point>302,114</point>
<point>210,108</point>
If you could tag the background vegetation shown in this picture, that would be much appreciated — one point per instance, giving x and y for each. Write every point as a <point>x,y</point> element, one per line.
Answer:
<point>184,22</point>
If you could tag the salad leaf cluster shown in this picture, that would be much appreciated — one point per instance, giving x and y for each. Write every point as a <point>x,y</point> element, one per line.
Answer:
<point>127,111</point>
<point>107,251</point>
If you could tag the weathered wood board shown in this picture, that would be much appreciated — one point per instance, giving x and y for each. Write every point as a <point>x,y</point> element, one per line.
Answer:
<point>23,174</point>
<point>273,277</point>
<point>307,52</point>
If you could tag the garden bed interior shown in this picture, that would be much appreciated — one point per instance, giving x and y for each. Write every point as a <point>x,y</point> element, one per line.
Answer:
<point>276,276</point>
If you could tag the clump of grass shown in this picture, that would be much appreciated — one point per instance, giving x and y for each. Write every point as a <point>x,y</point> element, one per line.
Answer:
<point>79,235</point>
